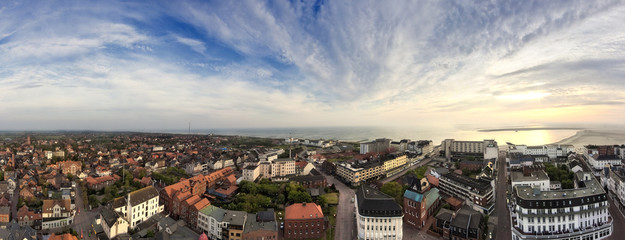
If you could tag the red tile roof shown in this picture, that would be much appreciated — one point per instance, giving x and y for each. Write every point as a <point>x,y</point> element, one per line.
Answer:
<point>299,211</point>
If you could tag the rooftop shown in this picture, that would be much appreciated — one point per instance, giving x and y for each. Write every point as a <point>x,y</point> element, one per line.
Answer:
<point>593,188</point>
<point>374,203</point>
<point>535,176</point>
<point>142,195</point>
<point>299,211</point>
<point>479,184</point>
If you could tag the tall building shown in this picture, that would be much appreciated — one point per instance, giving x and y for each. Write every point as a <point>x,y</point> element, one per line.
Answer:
<point>358,173</point>
<point>139,205</point>
<point>486,149</point>
<point>580,213</point>
<point>378,216</point>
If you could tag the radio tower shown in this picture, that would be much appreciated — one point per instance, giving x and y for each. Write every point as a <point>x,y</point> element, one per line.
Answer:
<point>189,127</point>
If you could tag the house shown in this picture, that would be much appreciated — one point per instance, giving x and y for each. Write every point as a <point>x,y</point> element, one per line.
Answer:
<point>311,181</point>
<point>465,224</point>
<point>99,183</point>
<point>139,205</point>
<point>25,217</point>
<point>261,226</point>
<point>16,231</point>
<point>69,167</point>
<point>65,236</point>
<point>113,223</point>
<point>210,221</point>
<point>420,202</point>
<point>56,213</point>
<point>304,220</point>
<point>5,214</point>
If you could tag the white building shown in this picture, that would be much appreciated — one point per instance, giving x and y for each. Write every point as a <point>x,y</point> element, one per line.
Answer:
<point>487,149</point>
<point>282,167</point>
<point>251,173</point>
<point>580,213</point>
<point>378,216</point>
<point>599,162</point>
<point>551,151</point>
<point>210,221</point>
<point>113,223</point>
<point>534,179</point>
<point>139,205</point>
<point>616,185</point>
<point>56,213</point>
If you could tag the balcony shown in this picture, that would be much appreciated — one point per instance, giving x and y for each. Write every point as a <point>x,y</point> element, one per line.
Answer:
<point>558,234</point>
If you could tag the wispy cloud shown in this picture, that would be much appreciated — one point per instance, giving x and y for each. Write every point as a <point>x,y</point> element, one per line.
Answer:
<point>117,65</point>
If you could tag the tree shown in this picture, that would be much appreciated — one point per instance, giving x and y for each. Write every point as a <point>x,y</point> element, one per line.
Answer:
<point>394,190</point>
<point>299,197</point>
<point>322,201</point>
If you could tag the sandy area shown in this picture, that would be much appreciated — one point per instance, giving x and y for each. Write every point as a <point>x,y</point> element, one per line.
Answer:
<point>597,137</point>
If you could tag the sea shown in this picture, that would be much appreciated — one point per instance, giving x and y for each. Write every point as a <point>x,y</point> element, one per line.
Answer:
<point>359,134</point>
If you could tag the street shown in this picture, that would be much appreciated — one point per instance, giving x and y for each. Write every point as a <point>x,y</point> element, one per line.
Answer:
<point>618,220</point>
<point>345,220</point>
<point>502,212</point>
<point>84,218</point>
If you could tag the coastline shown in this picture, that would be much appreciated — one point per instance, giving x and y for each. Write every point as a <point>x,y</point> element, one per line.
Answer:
<point>596,137</point>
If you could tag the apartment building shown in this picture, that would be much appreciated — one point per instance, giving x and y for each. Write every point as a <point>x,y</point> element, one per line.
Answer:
<point>453,149</point>
<point>138,206</point>
<point>251,173</point>
<point>599,157</point>
<point>535,179</point>
<point>420,202</point>
<point>394,163</point>
<point>616,185</point>
<point>282,167</point>
<point>580,213</point>
<point>69,167</point>
<point>550,151</point>
<point>376,146</point>
<point>358,173</point>
<point>378,216</point>
<point>478,193</point>
<point>464,224</point>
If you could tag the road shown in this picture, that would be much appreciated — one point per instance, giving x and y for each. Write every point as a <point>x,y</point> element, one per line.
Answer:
<point>345,220</point>
<point>14,200</point>
<point>84,218</point>
<point>618,220</point>
<point>402,173</point>
<point>501,209</point>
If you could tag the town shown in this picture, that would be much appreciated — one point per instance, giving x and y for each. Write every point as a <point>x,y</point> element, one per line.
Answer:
<point>126,185</point>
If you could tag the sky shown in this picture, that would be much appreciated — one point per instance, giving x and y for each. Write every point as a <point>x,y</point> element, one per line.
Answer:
<point>137,65</point>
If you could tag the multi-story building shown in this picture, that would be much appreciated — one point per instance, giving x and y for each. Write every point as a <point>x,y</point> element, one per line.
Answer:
<point>210,220</point>
<point>420,202</point>
<point>139,205</point>
<point>376,146</point>
<point>5,214</point>
<point>421,147</point>
<point>378,216</point>
<point>551,151</point>
<point>580,213</point>
<point>251,173</point>
<point>464,224</point>
<point>282,167</point>
<point>394,163</point>
<point>232,224</point>
<point>535,179</point>
<point>599,157</point>
<point>173,195</point>
<point>56,213</point>
<point>26,217</point>
<point>304,221</point>
<point>358,173</point>
<point>400,146</point>
<point>479,193</point>
<point>616,185</point>
<point>486,149</point>
<point>69,167</point>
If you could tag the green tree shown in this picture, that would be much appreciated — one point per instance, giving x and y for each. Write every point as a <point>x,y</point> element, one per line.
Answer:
<point>394,190</point>
<point>299,197</point>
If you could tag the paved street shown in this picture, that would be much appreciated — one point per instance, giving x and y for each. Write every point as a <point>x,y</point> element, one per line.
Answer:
<point>619,221</point>
<point>14,199</point>
<point>84,219</point>
<point>345,220</point>
<point>501,209</point>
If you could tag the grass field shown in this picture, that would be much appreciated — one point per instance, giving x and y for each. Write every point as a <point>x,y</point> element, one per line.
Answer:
<point>333,198</point>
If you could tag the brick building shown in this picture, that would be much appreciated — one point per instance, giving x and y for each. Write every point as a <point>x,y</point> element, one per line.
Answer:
<point>69,167</point>
<point>303,221</point>
<point>311,181</point>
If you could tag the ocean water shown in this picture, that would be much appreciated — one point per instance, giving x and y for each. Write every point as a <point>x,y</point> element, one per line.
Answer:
<point>529,137</point>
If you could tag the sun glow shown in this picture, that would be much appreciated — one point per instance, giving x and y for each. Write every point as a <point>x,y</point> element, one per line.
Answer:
<point>524,96</point>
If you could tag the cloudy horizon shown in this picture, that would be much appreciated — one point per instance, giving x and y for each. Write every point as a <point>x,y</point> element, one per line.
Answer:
<point>245,64</point>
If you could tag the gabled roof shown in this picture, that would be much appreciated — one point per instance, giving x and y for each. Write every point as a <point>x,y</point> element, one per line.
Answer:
<point>142,195</point>
<point>412,195</point>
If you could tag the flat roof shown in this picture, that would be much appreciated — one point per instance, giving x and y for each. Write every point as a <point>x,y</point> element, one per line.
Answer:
<point>535,176</point>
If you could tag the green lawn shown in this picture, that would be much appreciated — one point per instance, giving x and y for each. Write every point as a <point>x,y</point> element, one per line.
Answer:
<point>333,198</point>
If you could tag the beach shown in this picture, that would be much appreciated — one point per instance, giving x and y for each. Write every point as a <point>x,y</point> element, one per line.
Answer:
<point>595,137</point>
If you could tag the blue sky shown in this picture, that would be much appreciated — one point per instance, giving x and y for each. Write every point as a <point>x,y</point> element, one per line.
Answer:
<point>111,65</point>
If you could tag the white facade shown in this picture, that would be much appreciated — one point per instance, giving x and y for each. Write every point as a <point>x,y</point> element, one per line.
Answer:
<point>210,221</point>
<point>552,151</point>
<point>282,167</point>
<point>488,148</point>
<point>597,163</point>
<point>573,214</point>
<point>140,205</point>
<point>251,173</point>
<point>387,228</point>
<point>536,180</point>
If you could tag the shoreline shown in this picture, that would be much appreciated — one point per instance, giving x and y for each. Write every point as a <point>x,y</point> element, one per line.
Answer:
<point>528,129</point>
<point>595,137</point>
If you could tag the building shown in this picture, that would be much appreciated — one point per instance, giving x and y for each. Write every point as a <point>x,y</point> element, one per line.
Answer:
<point>400,146</point>
<point>453,149</point>
<point>394,163</point>
<point>420,202</point>
<point>478,193</point>
<point>56,213</point>
<point>210,221</point>
<point>600,156</point>
<point>311,181</point>
<point>550,152</point>
<point>113,223</point>
<point>357,173</point>
<point>282,167</point>
<point>464,224</point>
<point>64,236</point>
<point>378,216</point>
<point>15,231</point>
<point>535,179</point>
<point>261,226</point>
<point>69,167</point>
<point>99,183</point>
<point>580,213</point>
<point>173,195</point>
<point>376,146</point>
<point>5,214</point>
<point>616,185</point>
<point>25,217</point>
<point>251,173</point>
<point>139,205</point>
<point>421,147</point>
<point>304,221</point>
<point>232,225</point>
